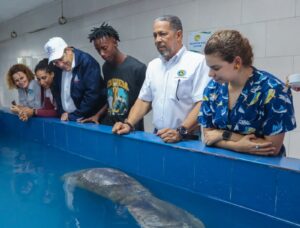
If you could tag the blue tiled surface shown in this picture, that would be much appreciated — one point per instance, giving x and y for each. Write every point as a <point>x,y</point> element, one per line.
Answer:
<point>9,124</point>
<point>81,142</point>
<point>267,185</point>
<point>288,196</point>
<point>106,153</point>
<point>213,175</point>
<point>33,131</point>
<point>74,140</point>
<point>151,161</point>
<point>49,135</point>
<point>254,186</point>
<point>179,168</point>
<point>60,136</point>
<point>127,154</point>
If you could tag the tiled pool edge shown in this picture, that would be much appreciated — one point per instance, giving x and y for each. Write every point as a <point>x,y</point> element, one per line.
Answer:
<point>267,185</point>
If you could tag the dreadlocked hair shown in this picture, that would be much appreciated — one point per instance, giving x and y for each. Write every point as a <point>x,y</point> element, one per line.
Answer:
<point>104,30</point>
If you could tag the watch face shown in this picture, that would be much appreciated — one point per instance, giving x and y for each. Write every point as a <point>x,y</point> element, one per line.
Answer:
<point>182,131</point>
<point>226,135</point>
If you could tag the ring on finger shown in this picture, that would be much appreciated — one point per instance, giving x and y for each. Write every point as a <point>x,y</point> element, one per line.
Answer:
<point>257,147</point>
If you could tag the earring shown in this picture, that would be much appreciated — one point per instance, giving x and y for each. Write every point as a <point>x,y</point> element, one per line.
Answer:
<point>236,66</point>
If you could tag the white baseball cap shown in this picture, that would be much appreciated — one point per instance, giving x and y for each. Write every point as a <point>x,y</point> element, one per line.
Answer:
<point>55,48</point>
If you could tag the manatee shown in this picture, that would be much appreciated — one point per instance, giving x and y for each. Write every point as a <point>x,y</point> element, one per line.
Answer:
<point>117,186</point>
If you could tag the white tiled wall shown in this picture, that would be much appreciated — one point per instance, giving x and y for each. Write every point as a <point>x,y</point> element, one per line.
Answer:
<point>272,27</point>
<point>266,10</point>
<point>279,66</point>
<point>218,13</point>
<point>283,37</point>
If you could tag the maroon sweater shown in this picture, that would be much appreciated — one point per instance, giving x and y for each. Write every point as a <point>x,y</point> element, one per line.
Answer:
<point>48,109</point>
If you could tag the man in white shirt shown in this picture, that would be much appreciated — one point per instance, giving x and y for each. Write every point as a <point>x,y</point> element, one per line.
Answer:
<point>173,86</point>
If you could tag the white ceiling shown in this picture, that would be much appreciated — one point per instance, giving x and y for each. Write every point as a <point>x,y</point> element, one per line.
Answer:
<point>13,8</point>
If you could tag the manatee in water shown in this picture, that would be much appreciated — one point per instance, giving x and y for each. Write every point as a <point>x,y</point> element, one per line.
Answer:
<point>117,186</point>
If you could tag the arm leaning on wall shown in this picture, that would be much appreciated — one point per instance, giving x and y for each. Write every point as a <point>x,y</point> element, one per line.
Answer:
<point>48,110</point>
<point>269,145</point>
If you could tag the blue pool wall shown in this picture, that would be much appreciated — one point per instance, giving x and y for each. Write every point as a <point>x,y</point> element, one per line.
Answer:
<point>268,185</point>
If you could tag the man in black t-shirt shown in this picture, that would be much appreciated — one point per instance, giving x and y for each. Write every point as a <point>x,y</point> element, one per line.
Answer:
<point>123,75</point>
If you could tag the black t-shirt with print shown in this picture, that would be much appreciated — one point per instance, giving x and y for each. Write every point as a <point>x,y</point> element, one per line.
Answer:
<point>123,84</point>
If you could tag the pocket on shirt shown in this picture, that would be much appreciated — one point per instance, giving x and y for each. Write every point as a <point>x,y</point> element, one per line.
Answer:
<point>181,89</point>
<point>30,95</point>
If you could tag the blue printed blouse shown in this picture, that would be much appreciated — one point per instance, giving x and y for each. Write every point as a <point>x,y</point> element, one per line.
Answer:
<point>264,107</point>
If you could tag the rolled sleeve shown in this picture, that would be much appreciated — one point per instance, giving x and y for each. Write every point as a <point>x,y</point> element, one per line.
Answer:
<point>279,117</point>
<point>206,114</point>
<point>146,92</point>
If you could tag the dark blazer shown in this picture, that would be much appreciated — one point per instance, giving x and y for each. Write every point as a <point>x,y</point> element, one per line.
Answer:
<point>88,90</point>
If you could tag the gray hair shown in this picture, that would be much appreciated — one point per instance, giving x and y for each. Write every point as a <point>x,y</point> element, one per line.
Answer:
<point>174,21</point>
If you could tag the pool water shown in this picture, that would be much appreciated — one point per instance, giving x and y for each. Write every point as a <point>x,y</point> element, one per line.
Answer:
<point>32,195</point>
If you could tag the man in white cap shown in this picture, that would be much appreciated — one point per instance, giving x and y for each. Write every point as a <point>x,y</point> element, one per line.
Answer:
<point>78,78</point>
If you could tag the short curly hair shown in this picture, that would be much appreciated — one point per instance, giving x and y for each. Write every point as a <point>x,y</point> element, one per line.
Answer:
<point>17,68</point>
<point>104,30</point>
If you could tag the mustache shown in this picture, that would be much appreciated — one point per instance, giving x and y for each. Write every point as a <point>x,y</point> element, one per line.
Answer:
<point>160,46</point>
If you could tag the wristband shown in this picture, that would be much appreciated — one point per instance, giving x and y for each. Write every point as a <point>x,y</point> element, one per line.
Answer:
<point>130,125</point>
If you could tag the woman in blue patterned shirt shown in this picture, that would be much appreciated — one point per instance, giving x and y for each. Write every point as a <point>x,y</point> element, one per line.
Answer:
<point>244,109</point>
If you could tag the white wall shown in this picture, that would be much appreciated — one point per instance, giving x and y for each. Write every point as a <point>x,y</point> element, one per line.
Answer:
<point>272,27</point>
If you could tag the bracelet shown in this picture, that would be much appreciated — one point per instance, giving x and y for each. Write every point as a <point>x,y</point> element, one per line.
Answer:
<point>130,125</point>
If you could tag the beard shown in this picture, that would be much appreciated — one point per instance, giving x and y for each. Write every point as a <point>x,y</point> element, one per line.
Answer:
<point>165,53</point>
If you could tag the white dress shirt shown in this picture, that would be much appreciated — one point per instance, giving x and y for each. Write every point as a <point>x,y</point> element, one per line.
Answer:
<point>174,87</point>
<point>66,99</point>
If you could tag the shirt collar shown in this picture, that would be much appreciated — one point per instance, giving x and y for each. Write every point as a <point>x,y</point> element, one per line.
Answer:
<point>31,84</point>
<point>175,57</point>
<point>73,62</point>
